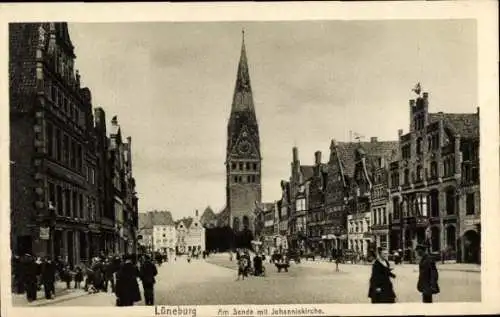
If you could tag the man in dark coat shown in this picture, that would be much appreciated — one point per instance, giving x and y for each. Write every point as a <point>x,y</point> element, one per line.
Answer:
<point>30,272</point>
<point>48,277</point>
<point>127,288</point>
<point>148,272</point>
<point>428,275</point>
<point>109,271</point>
<point>381,289</point>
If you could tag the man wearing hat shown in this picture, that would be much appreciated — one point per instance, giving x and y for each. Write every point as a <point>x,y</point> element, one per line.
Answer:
<point>428,274</point>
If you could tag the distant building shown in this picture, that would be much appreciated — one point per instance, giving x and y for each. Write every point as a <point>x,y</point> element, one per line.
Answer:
<point>208,219</point>
<point>195,238</point>
<point>158,231</point>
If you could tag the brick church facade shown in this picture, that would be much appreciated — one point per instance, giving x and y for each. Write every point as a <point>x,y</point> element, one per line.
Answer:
<point>243,157</point>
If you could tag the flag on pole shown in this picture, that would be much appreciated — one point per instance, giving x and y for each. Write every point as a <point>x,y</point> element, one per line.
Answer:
<point>417,89</point>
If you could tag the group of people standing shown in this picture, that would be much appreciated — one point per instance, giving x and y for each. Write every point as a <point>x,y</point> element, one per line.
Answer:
<point>381,289</point>
<point>30,274</point>
<point>245,264</point>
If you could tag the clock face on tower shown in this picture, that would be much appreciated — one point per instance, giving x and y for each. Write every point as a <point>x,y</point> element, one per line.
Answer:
<point>244,147</point>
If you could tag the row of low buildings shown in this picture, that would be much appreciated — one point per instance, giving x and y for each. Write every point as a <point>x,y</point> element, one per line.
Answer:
<point>160,233</point>
<point>422,188</point>
<point>72,187</point>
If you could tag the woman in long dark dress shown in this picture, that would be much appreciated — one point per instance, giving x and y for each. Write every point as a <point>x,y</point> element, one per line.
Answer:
<point>381,289</point>
<point>127,287</point>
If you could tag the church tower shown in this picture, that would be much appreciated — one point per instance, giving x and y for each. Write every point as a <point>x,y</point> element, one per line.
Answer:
<point>243,159</point>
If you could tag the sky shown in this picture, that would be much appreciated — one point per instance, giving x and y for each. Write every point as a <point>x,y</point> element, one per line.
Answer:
<point>171,86</point>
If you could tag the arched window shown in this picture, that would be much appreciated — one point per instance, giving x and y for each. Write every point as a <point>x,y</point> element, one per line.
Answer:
<point>236,224</point>
<point>434,203</point>
<point>246,222</point>
<point>419,173</point>
<point>419,146</point>
<point>407,176</point>
<point>434,170</point>
<point>396,208</point>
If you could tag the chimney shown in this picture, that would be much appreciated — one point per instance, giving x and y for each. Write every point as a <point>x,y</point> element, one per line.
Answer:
<point>295,154</point>
<point>373,139</point>
<point>129,140</point>
<point>477,110</point>
<point>77,77</point>
<point>114,120</point>
<point>196,213</point>
<point>412,102</point>
<point>425,96</point>
<point>317,157</point>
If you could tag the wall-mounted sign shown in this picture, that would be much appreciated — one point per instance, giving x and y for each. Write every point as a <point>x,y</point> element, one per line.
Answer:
<point>44,233</point>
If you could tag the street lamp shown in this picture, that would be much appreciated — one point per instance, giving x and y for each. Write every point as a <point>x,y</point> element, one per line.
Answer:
<point>52,221</point>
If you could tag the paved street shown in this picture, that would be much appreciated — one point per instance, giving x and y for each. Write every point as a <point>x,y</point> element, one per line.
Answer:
<point>212,281</point>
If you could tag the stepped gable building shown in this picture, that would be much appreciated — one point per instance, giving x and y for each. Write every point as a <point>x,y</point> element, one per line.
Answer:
<point>124,195</point>
<point>54,209</point>
<point>298,188</point>
<point>243,157</point>
<point>368,197</point>
<point>435,184</point>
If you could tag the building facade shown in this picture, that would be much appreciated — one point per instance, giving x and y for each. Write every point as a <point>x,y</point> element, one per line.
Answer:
<point>54,201</point>
<point>195,238</point>
<point>243,157</point>
<point>435,184</point>
<point>59,172</point>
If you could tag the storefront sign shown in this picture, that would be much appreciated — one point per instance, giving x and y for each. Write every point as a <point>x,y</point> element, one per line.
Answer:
<point>44,233</point>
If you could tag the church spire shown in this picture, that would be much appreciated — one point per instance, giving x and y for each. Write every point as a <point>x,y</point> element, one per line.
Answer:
<point>243,99</point>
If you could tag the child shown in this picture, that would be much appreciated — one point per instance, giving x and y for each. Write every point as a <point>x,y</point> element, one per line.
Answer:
<point>78,277</point>
<point>67,276</point>
<point>242,267</point>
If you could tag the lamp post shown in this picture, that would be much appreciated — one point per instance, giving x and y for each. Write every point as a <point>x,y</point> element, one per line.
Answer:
<point>52,221</point>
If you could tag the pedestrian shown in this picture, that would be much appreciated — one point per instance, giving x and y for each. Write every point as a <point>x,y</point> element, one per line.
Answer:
<point>48,277</point>
<point>337,261</point>
<point>66,276</point>
<point>381,289</point>
<point>428,275</point>
<point>242,265</point>
<point>147,273</point>
<point>78,277</point>
<point>127,288</point>
<point>109,272</point>
<point>30,278</point>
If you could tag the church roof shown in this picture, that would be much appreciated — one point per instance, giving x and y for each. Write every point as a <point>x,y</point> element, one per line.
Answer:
<point>464,124</point>
<point>208,216</point>
<point>242,108</point>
